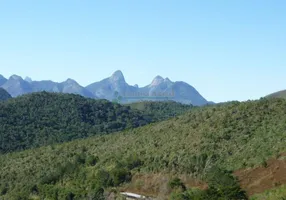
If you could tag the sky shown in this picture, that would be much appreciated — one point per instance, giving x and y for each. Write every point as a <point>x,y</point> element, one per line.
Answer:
<point>226,49</point>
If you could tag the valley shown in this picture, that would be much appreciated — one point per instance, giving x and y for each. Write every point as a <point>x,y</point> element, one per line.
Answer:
<point>142,100</point>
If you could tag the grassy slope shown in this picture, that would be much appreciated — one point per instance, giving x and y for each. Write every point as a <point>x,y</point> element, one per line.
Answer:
<point>231,136</point>
<point>280,94</point>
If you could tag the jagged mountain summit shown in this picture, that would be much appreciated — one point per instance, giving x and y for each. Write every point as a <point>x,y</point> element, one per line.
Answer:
<point>28,79</point>
<point>69,86</point>
<point>160,89</point>
<point>113,88</point>
<point>17,86</point>
<point>178,91</point>
<point>72,87</point>
<point>109,87</point>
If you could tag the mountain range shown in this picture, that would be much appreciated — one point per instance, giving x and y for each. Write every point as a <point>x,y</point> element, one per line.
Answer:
<point>113,88</point>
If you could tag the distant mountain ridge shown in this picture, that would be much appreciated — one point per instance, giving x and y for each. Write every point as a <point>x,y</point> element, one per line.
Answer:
<point>113,88</point>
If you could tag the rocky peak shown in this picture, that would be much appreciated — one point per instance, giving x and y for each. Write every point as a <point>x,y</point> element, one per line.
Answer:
<point>71,82</point>
<point>28,79</point>
<point>157,81</point>
<point>15,77</point>
<point>167,80</point>
<point>117,77</point>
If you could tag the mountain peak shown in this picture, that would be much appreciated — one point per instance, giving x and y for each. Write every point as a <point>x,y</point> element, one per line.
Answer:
<point>157,80</point>
<point>70,81</point>
<point>118,73</point>
<point>28,79</point>
<point>167,80</point>
<point>159,77</point>
<point>15,77</point>
<point>117,76</point>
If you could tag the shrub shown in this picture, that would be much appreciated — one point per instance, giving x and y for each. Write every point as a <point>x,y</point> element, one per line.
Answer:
<point>102,179</point>
<point>80,158</point>
<point>120,175</point>
<point>92,160</point>
<point>177,183</point>
<point>50,178</point>
<point>189,195</point>
<point>133,161</point>
<point>222,185</point>
<point>70,196</point>
<point>97,194</point>
<point>3,190</point>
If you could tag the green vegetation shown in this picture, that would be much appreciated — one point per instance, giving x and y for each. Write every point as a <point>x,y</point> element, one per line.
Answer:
<point>4,95</point>
<point>221,185</point>
<point>280,94</point>
<point>273,194</point>
<point>177,184</point>
<point>45,118</point>
<point>161,110</point>
<point>207,143</point>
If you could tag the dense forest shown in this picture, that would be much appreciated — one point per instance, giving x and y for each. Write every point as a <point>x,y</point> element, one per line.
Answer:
<point>43,118</point>
<point>206,144</point>
<point>161,110</point>
<point>4,95</point>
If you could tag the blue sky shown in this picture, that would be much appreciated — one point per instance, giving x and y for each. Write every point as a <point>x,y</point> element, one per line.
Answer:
<point>226,49</point>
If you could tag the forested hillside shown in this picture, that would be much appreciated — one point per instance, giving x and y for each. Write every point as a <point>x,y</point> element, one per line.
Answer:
<point>46,118</point>
<point>206,144</point>
<point>161,110</point>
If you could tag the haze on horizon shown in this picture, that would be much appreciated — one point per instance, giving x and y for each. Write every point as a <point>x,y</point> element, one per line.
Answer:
<point>227,50</point>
